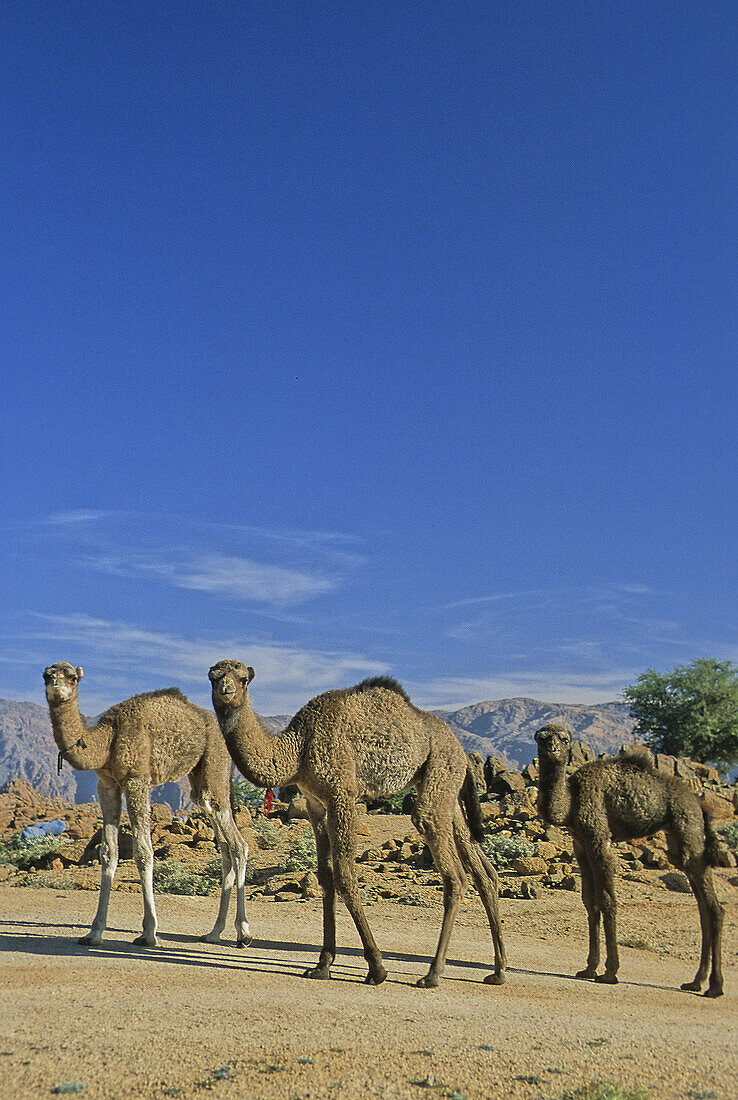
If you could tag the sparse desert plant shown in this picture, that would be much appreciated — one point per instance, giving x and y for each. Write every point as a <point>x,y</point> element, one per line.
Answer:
<point>171,877</point>
<point>729,834</point>
<point>636,942</point>
<point>23,854</point>
<point>503,850</point>
<point>267,834</point>
<point>303,855</point>
<point>246,794</point>
<point>604,1090</point>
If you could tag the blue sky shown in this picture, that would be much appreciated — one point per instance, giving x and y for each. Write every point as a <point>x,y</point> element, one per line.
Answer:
<point>347,338</point>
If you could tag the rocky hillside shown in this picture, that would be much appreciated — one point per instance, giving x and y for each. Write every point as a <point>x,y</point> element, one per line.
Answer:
<point>504,728</point>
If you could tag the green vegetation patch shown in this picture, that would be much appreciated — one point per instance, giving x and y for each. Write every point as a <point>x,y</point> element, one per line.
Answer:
<point>729,833</point>
<point>245,794</point>
<point>302,855</point>
<point>604,1090</point>
<point>504,850</point>
<point>171,877</point>
<point>25,854</point>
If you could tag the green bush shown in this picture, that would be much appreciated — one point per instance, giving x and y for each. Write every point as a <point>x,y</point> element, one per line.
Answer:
<point>302,855</point>
<point>23,854</point>
<point>503,850</point>
<point>604,1090</point>
<point>171,877</point>
<point>245,794</point>
<point>729,833</point>
<point>267,834</point>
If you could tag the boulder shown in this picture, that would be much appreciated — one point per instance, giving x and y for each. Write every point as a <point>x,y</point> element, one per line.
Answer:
<point>492,765</point>
<point>530,865</point>
<point>505,782</point>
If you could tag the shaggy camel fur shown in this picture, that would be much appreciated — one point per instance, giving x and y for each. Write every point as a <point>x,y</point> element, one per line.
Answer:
<point>136,745</point>
<point>367,740</point>
<point>625,798</point>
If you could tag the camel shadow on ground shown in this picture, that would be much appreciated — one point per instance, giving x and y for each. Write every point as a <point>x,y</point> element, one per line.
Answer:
<point>185,950</point>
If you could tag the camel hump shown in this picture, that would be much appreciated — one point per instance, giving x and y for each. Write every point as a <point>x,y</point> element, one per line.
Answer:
<point>638,755</point>
<point>385,682</point>
<point>173,693</point>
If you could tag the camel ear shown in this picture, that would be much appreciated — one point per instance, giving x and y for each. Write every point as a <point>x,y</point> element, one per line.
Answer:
<point>79,672</point>
<point>251,673</point>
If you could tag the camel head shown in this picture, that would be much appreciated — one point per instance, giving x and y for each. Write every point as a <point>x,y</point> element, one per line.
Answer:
<point>61,681</point>
<point>230,681</point>
<point>554,743</point>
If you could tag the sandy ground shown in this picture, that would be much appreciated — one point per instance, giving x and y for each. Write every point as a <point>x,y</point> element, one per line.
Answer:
<point>125,1022</point>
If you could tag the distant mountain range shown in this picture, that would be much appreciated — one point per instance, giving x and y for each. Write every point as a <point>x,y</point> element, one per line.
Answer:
<point>504,728</point>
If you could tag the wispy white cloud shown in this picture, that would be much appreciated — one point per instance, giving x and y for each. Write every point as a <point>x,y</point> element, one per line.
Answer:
<point>124,659</point>
<point>220,574</point>
<point>230,561</point>
<point>80,516</point>
<point>547,686</point>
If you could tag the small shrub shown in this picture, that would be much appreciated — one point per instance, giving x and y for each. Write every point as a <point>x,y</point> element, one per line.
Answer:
<point>503,850</point>
<point>267,834</point>
<point>604,1090</point>
<point>24,854</point>
<point>302,855</point>
<point>637,942</point>
<point>171,877</point>
<point>246,794</point>
<point>729,833</point>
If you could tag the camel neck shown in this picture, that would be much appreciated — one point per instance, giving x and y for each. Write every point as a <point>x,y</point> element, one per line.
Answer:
<point>265,761</point>
<point>85,748</point>
<point>554,793</point>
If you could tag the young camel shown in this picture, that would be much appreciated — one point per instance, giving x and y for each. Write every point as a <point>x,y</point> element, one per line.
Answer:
<point>622,799</point>
<point>136,745</point>
<point>367,740</point>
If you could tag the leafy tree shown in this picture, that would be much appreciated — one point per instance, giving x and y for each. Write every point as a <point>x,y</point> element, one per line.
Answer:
<point>691,711</point>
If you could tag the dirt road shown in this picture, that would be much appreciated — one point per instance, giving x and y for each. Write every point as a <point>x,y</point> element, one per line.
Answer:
<point>124,1022</point>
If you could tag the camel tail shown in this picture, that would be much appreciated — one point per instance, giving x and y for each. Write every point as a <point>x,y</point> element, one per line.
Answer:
<point>711,838</point>
<point>469,800</point>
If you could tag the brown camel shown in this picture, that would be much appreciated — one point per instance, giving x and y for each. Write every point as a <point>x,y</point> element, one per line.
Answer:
<point>136,745</point>
<point>625,798</point>
<point>367,740</point>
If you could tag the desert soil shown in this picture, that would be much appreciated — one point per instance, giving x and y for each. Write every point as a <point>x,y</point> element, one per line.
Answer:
<point>188,1017</point>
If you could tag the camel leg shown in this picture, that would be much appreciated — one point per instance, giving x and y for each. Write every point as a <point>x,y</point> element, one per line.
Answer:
<point>711,924</point>
<point>434,823</point>
<point>602,866</point>
<point>593,913</point>
<point>233,854</point>
<point>325,878</point>
<point>486,882</point>
<point>340,822</point>
<point>110,800</point>
<point>139,811</point>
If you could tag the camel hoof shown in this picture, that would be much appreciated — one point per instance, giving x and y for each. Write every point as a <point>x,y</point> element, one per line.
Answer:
<point>606,979</point>
<point>92,939</point>
<point>430,981</point>
<point>586,975</point>
<point>494,979</point>
<point>691,987</point>
<point>245,941</point>
<point>146,941</point>
<point>319,972</point>
<point>376,977</point>
<point>212,937</point>
<point>716,992</point>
